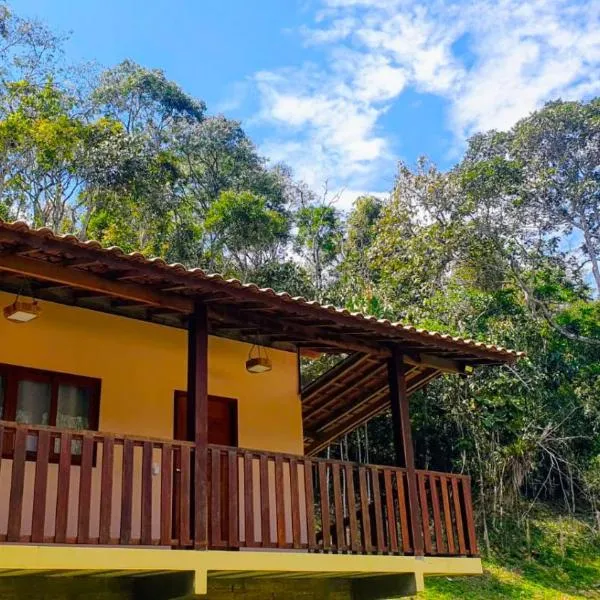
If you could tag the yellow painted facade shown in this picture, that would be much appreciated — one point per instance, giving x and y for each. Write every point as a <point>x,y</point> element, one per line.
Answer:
<point>203,563</point>
<point>142,364</point>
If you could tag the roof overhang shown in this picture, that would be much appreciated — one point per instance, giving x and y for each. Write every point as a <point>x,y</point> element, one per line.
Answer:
<point>70,271</point>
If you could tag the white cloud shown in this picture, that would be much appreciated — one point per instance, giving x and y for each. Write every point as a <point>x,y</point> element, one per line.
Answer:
<point>492,61</point>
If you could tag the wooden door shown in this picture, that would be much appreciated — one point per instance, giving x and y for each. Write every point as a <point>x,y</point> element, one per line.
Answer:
<point>222,430</point>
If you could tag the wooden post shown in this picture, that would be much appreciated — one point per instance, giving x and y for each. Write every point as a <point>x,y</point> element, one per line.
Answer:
<point>403,442</point>
<point>197,398</point>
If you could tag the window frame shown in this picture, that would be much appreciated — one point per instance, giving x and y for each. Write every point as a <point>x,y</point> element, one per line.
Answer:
<point>12,374</point>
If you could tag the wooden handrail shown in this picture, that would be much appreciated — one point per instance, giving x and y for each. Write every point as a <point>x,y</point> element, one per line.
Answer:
<point>255,498</point>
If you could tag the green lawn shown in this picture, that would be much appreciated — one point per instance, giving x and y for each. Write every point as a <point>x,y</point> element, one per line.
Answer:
<point>559,559</point>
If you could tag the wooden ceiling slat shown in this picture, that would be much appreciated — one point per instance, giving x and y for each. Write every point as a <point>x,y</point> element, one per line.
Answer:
<point>314,447</point>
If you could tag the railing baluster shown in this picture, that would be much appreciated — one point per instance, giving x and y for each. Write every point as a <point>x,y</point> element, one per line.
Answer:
<point>325,518</point>
<point>85,489</point>
<point>146,516</point>
<point>106,489</point>
<point>391,513</point>
<point>166,495</point>
<point>215,500</point>
<point>40,487</point>
<point>447,514</point>
<point>185,499</point>
<point>232,472</point>
<point>295,502</point>
<point>265,501</point>
<point>424,512</point>
<point>364,507</point>
<point>126,492</point>
<point>15,503</point>
<point>279,502</point>
<point>458,515</point>
<point>354,538</point>
<point>468,504</point>
<point>63,488</point>
<point>309,493</point>
<point>437,519</point>
<point>377,508</point>
<point>404,531</point>
<point>338,509</point>
<point>249,500</point>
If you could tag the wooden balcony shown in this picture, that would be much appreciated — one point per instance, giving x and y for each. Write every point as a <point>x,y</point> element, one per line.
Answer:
<point>83,487</point>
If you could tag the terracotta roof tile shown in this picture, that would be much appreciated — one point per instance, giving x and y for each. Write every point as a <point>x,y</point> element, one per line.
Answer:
<point>160,263</point>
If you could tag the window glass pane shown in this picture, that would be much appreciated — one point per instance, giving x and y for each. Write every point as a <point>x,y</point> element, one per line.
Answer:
<point>33,406</point>
<point>73,407</point>
<point>33,402</point>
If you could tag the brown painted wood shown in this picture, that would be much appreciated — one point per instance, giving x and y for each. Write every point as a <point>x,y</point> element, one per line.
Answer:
<point>404,528</point>
<point>279,501</point>
<point>364,510</point>
<point>338,509</point>
<point>249,500</point>
<point>309,493</point>
<point>424,513</point>
<point>126,492</point>
<point>197,385</point>
<point>403,442</point>
<point>468,506</point>
<point>185,506</point>
<point>324,493</point>
<point>437,517</point>
<point>106,488</point>
<point>295,502</point>
<point>390,511</point>
<point>40,487</point>
<point>265,511</point>
<point>447,514</point>
<point>351,501</point>
<point>146,516</point>
<point>166,495</point>
<point>380,539</point>
<point>15,502</point>
<point>63,488</point>
<point>215,498</point>
<point>233,514</point>
<point>88,281</point>
<point>85,489</point>
<point>458,515</point>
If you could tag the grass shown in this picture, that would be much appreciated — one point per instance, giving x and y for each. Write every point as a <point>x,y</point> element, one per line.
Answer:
<point>550,557</point>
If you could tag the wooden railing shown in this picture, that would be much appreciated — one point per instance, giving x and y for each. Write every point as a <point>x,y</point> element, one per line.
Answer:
<point>60,486</point>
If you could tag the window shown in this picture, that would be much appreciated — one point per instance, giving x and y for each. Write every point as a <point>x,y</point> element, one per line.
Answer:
<point>40,397</point>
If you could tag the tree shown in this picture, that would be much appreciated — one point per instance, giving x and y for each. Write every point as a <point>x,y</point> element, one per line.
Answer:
<point>319,235</point>
<point>249,233</point>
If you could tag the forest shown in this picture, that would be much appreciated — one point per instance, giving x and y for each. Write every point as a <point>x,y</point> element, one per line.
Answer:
<point>504,246</point>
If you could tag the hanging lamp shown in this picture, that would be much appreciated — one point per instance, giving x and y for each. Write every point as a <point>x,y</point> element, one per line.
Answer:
<point>22,311</point>
<point>258,360</point>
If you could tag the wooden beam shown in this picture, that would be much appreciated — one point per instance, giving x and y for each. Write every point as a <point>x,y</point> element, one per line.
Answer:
<point>197,398</point>
<point>432,361</point>
<point>313,334</point>
<point>403,444</point>
<point>246,294</point>
<point>46,271</point>
<point>365,415</point>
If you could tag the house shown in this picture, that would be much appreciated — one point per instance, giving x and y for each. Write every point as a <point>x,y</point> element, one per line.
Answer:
<point>137,445</point>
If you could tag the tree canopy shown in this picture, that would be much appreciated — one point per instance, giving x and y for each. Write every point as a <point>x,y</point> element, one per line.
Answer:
<point>504,246</point>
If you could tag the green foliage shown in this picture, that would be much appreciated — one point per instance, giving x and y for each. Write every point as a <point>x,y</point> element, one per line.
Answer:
<point>549,557</point>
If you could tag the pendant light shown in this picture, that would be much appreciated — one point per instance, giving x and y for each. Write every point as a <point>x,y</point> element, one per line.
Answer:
<point>22,311</point>
<point>258,360</point>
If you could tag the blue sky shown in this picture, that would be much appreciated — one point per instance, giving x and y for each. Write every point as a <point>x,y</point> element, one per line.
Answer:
<point>343,89</point>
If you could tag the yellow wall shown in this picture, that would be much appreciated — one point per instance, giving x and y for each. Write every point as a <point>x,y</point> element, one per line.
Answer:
<point>141,364</point>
